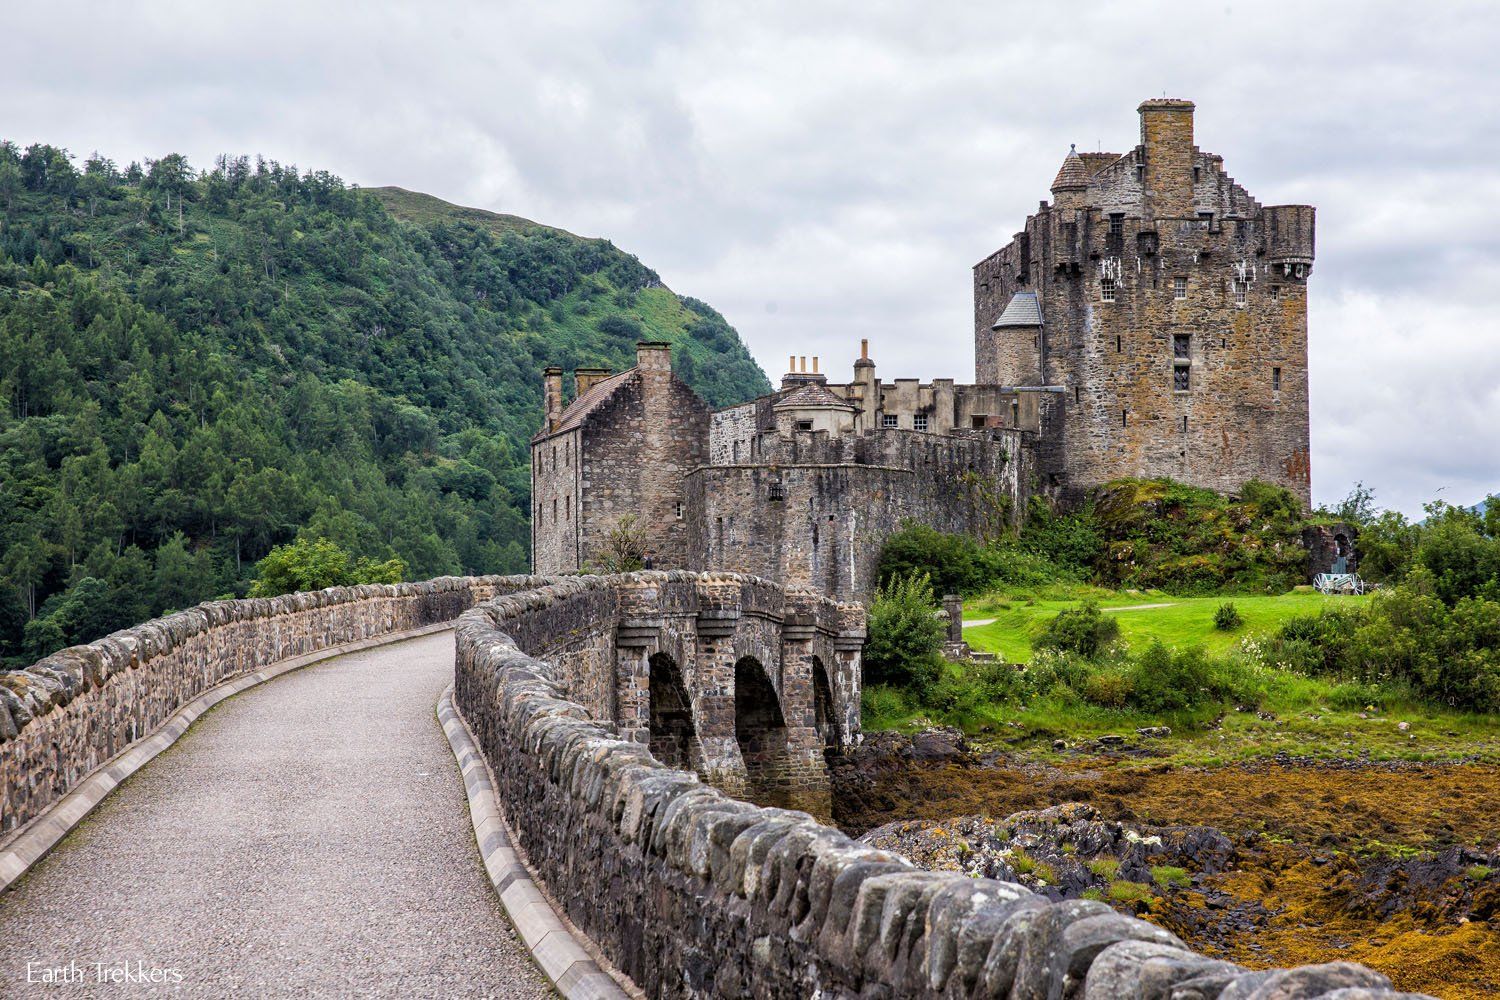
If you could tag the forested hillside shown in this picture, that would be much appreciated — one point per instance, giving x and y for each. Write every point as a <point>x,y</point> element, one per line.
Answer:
<point>200,366</point>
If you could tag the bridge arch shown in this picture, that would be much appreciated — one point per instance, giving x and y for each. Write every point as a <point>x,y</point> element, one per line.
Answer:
<point>760,730</point>
<point>825,716</point>
<point>673,734</point>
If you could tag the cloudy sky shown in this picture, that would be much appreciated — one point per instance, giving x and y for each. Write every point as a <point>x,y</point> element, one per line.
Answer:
<point>822,173</point>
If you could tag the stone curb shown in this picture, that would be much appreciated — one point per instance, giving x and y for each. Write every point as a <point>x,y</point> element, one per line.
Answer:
<point>553,944</point>
<point>31,842</point>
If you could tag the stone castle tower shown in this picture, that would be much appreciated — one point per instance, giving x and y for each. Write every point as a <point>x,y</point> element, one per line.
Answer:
<point>1171,309</point>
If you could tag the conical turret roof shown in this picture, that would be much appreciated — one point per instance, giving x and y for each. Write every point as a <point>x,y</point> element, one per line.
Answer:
<point>1073,175</point>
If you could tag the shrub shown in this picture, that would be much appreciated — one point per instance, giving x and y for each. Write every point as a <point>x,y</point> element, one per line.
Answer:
<point>1227,617</point>
<point>316,563</point>
<point>905,636</point>
<point>1022,863</point>
<point>1166,681</point>
<point>1000,683</point>
<point>1084,630</point>
<point>1110,688</point>
<point>1129,892</point>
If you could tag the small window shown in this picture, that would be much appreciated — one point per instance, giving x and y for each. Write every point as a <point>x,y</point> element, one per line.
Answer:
<point>1275,379</point>
<point>1015,414</point>
<point>804,425</point>
<point>1197,174</point>
<point>1107,289</point>
<point>919,422</point>
<point>681,509</point>
<point>1182,378</point>
<point>1205,220</point>
<point>776,492</point>
<point>1124,418</point>
<point>1184,423</point>
<point>1179,287</point>
<point>554,510</point>
<point>889,420</point>
<point>568,508</point>
<point>1069,234</point>
<point>1182,345</point>
<point>1241,289</point>
<point>1275,293</point>
<point>1119,344</point>
<point>1077,394</point>
<point>1117,226</point>
<point>977,421</point>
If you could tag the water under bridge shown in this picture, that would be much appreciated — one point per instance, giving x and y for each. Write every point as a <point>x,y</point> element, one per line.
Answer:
<point>498,787</point>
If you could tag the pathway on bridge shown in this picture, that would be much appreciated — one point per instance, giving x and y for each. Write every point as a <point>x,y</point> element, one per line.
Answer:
<point>308,837</point>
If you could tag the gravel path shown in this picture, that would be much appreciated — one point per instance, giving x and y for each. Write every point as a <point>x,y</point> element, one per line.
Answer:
<point>309,838</point>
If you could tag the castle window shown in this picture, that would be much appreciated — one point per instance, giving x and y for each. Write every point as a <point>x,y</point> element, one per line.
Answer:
<point>1206,220</point>
<point>889,420</point>
<point>1015,414</point>
<point>1241,288</point>
<point>919,422</point>
<point>1275,293</point>
<point>1117,225</point>
<point>1181,378</point>
<point>1182,344</point>
<point>1077,394</point>
<point>1119,344</point>
<point>1124,418</point>
<point>1069,234</point>
<point>554,458</point>
<point>1197,174</point>
<point>681,508</point>
<point>804,425</point>
<point>977,421</point>
<point>1184,423</point>
<point>1275,379</point>
<point>1179,287</point>
<point>776,492</point>
<point>568,508</point>
<point>554,510</point>
<point>1107,289</point>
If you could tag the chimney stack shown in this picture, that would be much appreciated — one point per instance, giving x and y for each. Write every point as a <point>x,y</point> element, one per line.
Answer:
<point>585,378</point>
<point>552,404</point>
<point>1167,144</point>
<point>653,355</point>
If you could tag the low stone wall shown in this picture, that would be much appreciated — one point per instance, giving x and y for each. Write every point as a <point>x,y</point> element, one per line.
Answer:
<point>692,893</point>
<point>67,714</point>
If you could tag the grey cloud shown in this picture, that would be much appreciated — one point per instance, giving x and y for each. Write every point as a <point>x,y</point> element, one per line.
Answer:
<point>822,173</point>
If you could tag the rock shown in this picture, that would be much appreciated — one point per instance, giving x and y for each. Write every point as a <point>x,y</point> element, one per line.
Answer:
<point>1403,726</point>
<point>1059,745</point>
<point>938,744</point>
<point>1308,981</point>
<point>1111,741</point>
<point>1155,732</point>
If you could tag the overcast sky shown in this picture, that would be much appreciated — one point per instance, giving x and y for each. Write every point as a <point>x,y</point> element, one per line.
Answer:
<point>823,173</point>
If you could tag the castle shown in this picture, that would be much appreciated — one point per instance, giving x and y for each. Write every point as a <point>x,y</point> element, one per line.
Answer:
<point>1150,321</point>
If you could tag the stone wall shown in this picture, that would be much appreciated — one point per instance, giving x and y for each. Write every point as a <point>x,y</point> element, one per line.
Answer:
<point>67,714</point>
<point>693,893</point>
<point>814,510</point>
<point>1194,364</point>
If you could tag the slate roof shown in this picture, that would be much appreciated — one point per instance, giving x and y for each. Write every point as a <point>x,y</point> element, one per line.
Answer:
<point>1072,173</point>
<point>578,410</point>
<point>1022,310</point>
<point>813,395</point>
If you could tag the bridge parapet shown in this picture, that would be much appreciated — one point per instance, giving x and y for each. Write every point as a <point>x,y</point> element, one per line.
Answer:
<point>692,893</point>
<point>69,713</point>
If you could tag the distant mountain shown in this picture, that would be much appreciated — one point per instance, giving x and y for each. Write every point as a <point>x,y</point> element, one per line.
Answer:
<point>196,367</point>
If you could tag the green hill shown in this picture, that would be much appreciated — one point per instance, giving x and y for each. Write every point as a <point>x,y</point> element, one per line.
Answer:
<point>200,365</point>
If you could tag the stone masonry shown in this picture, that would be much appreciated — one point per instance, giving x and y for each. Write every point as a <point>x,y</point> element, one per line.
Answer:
<point>1170,309</point>
<point>1150,321</point>
<point>693,893</point>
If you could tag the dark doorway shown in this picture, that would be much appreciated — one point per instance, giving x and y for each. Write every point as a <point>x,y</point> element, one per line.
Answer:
<point>824,718</point>
<point>671,714</point>
<point>760,729</point>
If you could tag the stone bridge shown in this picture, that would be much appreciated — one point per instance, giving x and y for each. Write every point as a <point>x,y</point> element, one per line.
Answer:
<point>308,838</point>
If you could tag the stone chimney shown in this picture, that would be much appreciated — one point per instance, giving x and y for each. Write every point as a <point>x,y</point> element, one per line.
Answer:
<point>653,356</point>
<point>867,392</point>
<point>798,373</point>
<point>552,397</point>
<point>1167,144</point>
<point>584,378</point>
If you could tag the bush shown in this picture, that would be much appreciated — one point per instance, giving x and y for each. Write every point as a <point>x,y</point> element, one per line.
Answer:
<point>905,636</point>
<point>1110,688</point>
<point>316,563</point>
<point>1166,681</point>
<point>1227,617</point>
<point>1084,630</point>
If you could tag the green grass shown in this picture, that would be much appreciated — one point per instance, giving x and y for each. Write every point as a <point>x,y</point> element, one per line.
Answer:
<point>1186,621</point>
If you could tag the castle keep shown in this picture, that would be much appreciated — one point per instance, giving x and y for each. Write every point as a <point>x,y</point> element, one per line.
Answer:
<point>1150,321</point>
<point>1171,309</point>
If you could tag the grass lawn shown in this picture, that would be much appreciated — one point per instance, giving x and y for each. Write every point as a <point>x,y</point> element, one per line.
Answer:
<point>1184,621</point>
